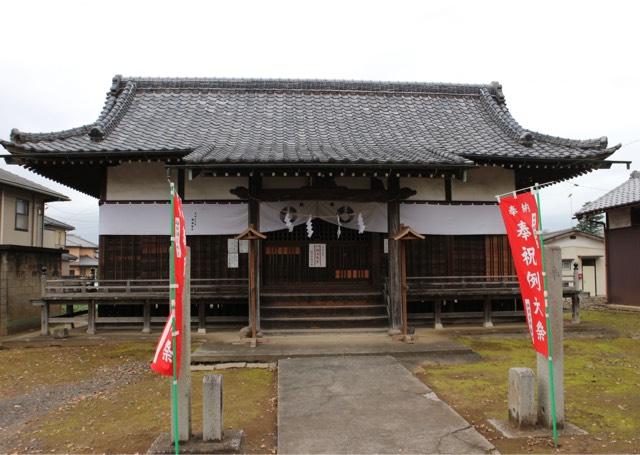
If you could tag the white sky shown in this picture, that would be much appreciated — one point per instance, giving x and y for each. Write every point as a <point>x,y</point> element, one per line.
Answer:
<point>567,68</point>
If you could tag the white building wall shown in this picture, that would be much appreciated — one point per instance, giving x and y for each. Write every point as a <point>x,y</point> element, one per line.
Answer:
<point>584,247</point>
<point>483,184</point>
<point>619,218</point>
<point>427,189</point>
<point>137,181</point>
<point>212,188</point>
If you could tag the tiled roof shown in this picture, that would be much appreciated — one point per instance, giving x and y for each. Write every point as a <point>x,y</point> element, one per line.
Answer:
<point>307,121</point>
<point>626,194</point>
<point>11,179</point>
<point>86,261</point>
<point>48,221</point>
<point>74,240</point>
<point>553,235</point>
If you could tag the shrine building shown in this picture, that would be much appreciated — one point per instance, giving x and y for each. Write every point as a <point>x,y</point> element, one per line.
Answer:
<point>328,171</point>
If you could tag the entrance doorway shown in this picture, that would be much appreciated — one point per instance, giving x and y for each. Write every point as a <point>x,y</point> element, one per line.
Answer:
<point>589,283</point>
<point>324,261</point>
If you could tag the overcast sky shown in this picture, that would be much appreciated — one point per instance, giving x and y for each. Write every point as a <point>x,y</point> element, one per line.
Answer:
<point>567,68</point>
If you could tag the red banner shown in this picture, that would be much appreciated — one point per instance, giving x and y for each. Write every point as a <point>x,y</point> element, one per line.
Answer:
<point>162,360</point>
<point>520,215</point>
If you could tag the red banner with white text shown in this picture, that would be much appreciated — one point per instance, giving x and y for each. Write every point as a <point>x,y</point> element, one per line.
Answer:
<point>520,215</point>
<point>163,358</point>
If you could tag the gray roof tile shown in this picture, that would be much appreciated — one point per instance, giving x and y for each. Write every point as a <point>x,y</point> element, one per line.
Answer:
<point>307,121</point>
<point>626,194</point>
<point>76,240</point>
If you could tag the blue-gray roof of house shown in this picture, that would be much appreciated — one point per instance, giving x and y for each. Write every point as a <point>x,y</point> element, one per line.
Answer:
<point>11,179</point>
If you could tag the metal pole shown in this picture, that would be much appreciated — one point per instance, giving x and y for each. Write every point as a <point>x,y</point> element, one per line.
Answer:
<point>549,331</point>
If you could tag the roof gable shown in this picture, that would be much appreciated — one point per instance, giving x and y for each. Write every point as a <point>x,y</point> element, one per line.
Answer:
<point>307,121</point>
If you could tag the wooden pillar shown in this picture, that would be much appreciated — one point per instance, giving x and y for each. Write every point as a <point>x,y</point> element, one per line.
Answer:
<point>44,318</point>
<point>395,285</point>
<point>488,323</point>
<point>575,308</point>
<point>403,288</point>
<point>146,313</point>
<point>255,184</point>
<point>437,314</point>
<point>253,324</point>
<point>69,314</point>
<point>91,317</point>
<point>202,317</point>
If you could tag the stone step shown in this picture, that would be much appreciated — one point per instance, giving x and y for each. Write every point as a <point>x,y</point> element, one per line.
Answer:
<point>322,310</point>
<point>313,322</point>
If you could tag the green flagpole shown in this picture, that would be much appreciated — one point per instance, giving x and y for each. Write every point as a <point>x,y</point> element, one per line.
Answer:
<point>552,389</point>
<point>174,360</point>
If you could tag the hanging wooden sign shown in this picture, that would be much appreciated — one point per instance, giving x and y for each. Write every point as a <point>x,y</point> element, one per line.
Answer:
<point>317,255</point>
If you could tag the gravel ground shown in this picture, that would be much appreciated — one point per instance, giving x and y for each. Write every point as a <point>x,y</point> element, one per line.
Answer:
<point>17,412</point>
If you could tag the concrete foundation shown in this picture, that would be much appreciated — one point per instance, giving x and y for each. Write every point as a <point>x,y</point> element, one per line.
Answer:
<point>232,442</point>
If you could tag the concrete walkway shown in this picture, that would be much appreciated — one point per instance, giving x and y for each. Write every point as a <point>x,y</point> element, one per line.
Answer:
<point>365,405</point>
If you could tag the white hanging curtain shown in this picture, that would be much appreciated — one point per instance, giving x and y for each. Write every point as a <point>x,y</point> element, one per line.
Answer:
<point>452,219</point>
<point>155,219</point>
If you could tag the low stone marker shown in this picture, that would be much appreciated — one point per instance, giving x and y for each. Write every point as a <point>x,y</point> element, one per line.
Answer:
<point>60,333</point>
<point>212,407</point>
<point>522,404</point>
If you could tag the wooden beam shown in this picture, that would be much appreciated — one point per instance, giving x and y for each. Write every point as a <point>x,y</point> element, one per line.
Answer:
<point>254,236</point>
<point>313,193</point>
<point>91,317</point>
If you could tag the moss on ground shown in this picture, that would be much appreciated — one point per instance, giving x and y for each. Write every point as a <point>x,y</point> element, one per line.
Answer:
<point>602,384</point>
<point>129,419</point>
<point>29,368</point>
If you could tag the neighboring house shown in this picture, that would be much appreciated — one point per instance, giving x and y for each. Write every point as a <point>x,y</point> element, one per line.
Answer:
<point>55,236</point>
<point>24,254</point>
<point>622,239</point>
<point>86,254</point>
<point>584,251</point>
<point>354,159</point>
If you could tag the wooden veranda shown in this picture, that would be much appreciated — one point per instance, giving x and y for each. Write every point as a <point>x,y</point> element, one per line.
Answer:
<point>430,300</point>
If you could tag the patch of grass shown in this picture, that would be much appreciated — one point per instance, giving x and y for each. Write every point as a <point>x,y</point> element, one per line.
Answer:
<point>26,369</point>
<point>602,384</point>
<point>130,418</point>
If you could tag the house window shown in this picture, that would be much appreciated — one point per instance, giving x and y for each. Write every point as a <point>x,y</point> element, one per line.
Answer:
<point>22,215</point>
<point>566,264</point>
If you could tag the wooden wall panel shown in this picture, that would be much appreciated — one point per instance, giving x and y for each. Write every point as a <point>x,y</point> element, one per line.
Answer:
<point>147,257</point>
<point>459,255</point>
<point>623,287</point>
<point>498,256</point>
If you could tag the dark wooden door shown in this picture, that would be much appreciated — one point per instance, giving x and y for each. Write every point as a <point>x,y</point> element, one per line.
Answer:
<point>349,258</point>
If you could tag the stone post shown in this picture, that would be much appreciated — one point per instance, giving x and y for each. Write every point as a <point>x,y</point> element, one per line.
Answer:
<point>553,264</point>
<point>184,379</point>
<point>212,425</point>
<point>522,404</point>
